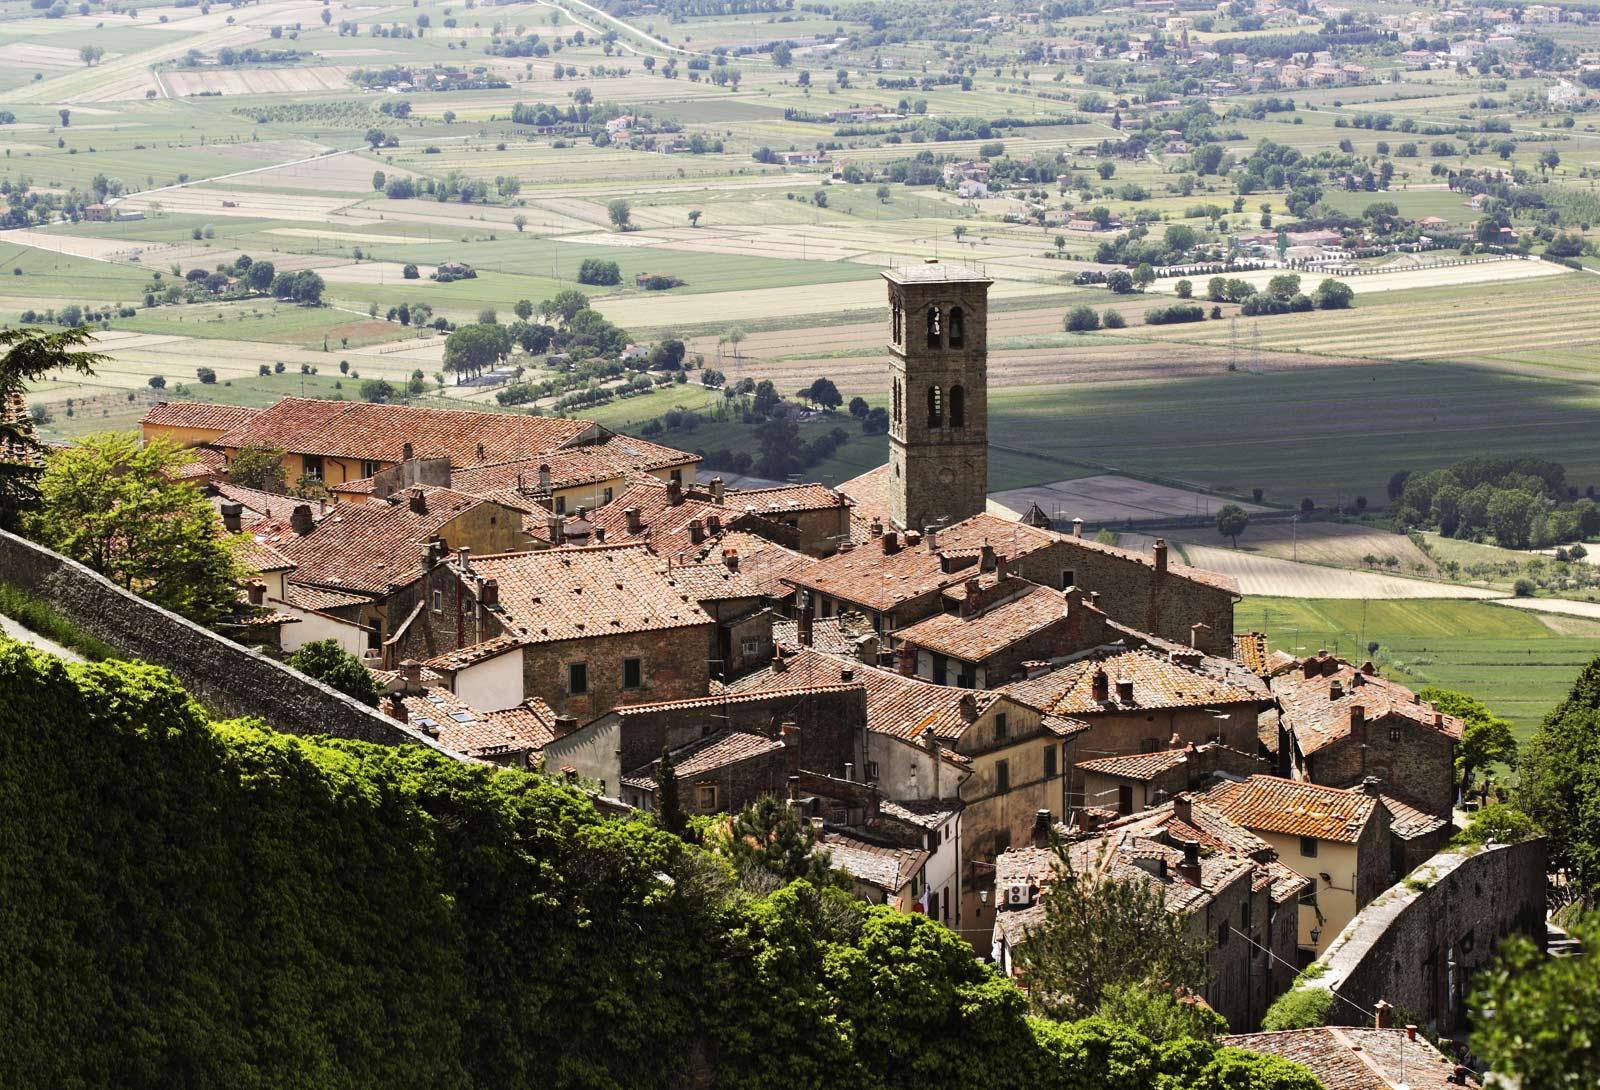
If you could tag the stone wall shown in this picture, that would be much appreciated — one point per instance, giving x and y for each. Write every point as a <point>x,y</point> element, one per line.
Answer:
<point>1419,945</point>
<point>228,679</point>
<point>1135,593</point>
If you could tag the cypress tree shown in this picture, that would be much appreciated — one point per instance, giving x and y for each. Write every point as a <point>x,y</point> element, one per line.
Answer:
<point>669,812</point>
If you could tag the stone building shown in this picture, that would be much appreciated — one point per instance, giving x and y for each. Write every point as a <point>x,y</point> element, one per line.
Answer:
<point>1341,725</point>
<point>1364,1058</point>
<point>939,394</point>
<point>1141,781</point>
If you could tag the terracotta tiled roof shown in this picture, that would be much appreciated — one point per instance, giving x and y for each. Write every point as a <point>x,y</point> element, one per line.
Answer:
<point>723,699</point>
<point>1157,683</point>
<point>199,414</point>
<point>370,547</point>
<point>1250,651</point>
<point>1407,822</point>
<point>829,635</point>
<point>889,869</point>
<point>1357,1059</point>
<point>977,637</point>
<point>318,599</point>
<point>258,556</point>
<point>617,456</point>
<point>577,593</point>
<point>1319,709</point>
<point>925,813</point>
<point>463,657</point>
<point>361,430</point>
<point>869,495</point>
<point>1294,808</point>
<point>707,755</point>
<point>878,580</point>
<point>712,581</point>
<point>475,733</point>
<point>784,499</point>
<point>204,464</point>
<point>1137,766</point>
<point>766,562</point>
<point>1215,833</point>
<point>663,524</point>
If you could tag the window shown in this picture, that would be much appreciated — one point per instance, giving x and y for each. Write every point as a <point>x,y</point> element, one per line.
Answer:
<point>935,407</point>
<point>1309,897</point>
<point>941,672</point>
<point>956,330</point>
<point>958,407</point>
<point>872,771</point>
<point>1394,732</point>
<point>1244,916</point>
<point>1050,762</point>
<point>1222,935</point>
<point>607,498</point>
<point>438,601</point>
<point>705,798</point>
<point>1002,841</point>
<point>966,679</point>
<point>632,673</point>
<point>312,466</point>
<point>1068,578</point>
<point>577,677</point>
<point>1001,728</point>
<point>370,468</point>
<point>894,323</point>
<point>1308,847</point>
<point>897,397</point>
<point>934,331</point>
<point>749,648</point>
<point>1125,798</point>
<point>677,475</point>
<point>561,505</point>
<point>1002,777</point>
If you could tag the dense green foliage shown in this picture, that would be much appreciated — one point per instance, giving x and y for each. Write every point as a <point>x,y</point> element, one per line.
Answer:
<point>1559,780</point>
<point>1521,502</point>
<point>188,904</point>
<point>30,355</point>
<point>112,503</point>
<point>1298,1008</point>
<point>1546,1025</point>
<point>332,665</point>
<point>1500,823</point>
<point>1486,739</point>
<point>1159,1014</point>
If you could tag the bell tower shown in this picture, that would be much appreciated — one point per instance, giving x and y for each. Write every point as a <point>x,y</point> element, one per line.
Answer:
<point>939,394</point>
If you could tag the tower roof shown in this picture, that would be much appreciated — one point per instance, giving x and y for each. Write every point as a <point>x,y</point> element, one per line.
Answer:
<point>934,271</point>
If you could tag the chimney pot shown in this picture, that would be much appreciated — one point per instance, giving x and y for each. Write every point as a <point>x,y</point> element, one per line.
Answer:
<point>804,626</point>
<point>232,517</point>
<point>1161,556</point>
<point>406,452</point>
<point>847,674</point>
<point>730,557</point>
<point>489,593</point>
<point>599,535</point>
<point>1189,869</point>
<point>1041,828</point>
<point>697,531</point>
<point>419,502</point>
<point>1336,690</point>
<point>1411,1032</point>
<point>930,535</point>
<point>1183,809</point>
<point>794,788</point>
<point>300,519</point>
<point>1102,686</point>
<point>544,477</point>
<point>1077,527</point>
<point>850,771</point>
<point>674,492</point>
<point>877,526</point>
<point>778,664</point>
<point>411,671</point>
<point>905,660</point>
<point>986,561</point>
<point>634,521</point>
<point>257,591</point>
<point>564,725</point>
<point>397,708</point>
<point>1383,1015</point>
<point>716,490</point>
<point>891,542</point>
<point>713,525</point>
<point>464,558</point>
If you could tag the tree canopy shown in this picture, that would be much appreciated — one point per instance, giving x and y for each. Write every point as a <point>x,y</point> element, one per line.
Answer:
<point>30,355</point>
<point>329,663</point>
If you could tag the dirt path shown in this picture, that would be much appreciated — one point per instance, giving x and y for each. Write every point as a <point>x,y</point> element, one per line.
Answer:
<point>16,631</point>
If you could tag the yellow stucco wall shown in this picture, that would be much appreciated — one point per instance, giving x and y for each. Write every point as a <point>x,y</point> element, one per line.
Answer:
<point>184,437</point>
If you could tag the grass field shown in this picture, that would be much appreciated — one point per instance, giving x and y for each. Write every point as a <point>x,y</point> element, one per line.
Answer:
<point>1520,664</point>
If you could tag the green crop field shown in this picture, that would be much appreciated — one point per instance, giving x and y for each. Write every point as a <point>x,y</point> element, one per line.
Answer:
<point>1520,664</point>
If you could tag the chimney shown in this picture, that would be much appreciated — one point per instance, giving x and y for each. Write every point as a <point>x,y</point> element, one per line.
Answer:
<point>558,535</point>
<point>1310,668</point>
<point>1125,692</point>
<point>1357,680</point>
<point>397,708</point>
<point>794,789</point>
<point>1372,786</point>
<point>730,557</point>
<point>544,477</point>
<point>1161,556</point>
<point>969,604</point>
<point>779,664</point>
<point>1383,1015</point>
<point>564,725</point>
<point>552,529</point>
<point>419,502</point>
<point>713,525</point>
<point>233,517</point>
<point>847,674</point>
<point>891,542</point>
<point>257,591</point>
<point>969,707</point>
<point>634,522</point>
<point>905,660</point>
<point>986,557</point>
<point>300,519</point>
<point>716,490</point>
<point>489,593</point>
<point>1000,566</point>
<point>1358,719</point>
<point>1041,828</point>
<point>599,535</point>
<point>1077,527</point>
<point>1189,869</point>
<point>1102,686</point>
<point>790,732</point>
<point>674,492</point>
<point>850,772</point>
<point>1182,809</point>
<point>803,626</point>
<point>697,531</point>
<point>480,452</point>
<point>1336,690</point>
<point>931,536</point>
<point>411,672</point>
<point>1074,598</point>
<point>406,453</point>
<point>1411,1031</point>
<point>877,526</point>
<point>464,558</point>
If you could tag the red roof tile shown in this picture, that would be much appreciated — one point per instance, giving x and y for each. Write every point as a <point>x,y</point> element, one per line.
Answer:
<point>199,414</point>
<point>1320,709</point>
<point>889,869</point>
<point>707,755</point>
<point>1157,682</point>
<point>986,633</point>
<point>1347,1058</point>
<point>1294,808</point>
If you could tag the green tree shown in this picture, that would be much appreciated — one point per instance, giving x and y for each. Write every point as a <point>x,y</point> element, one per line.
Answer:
<point>1558,780</point>
<point>778,440</point>
<point>566,305</point>
<point>694,217</point>
<point>1082,319</point>
<point>1284,286</point>
<point>859,407</point>
<point>1160,1015</point>
<point>1546,1021</point>
<point>1184,288</point>
<point>523,309</point>
<point>472,349</point>
<point>771,844</point>
<point>113,504</point>
<point>1511,514</point>
<point>1098,933</point>
<point>378,391</point>
<point>620,213</point>
<point>1120,281</point>
<point>669,811</point>
<point>1501,823</point>
<point>1333,294</point>
<point>30,355</point>
<point>335,667</point>
<point>1144,276</point>
<point>823,392</point>
<point>1486,739</point>
<point>260,468</point>
<point>1298,1008</point>
<point>1231,522</point>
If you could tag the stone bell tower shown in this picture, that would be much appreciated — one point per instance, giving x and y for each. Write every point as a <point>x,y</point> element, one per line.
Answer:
<point>939,394</point>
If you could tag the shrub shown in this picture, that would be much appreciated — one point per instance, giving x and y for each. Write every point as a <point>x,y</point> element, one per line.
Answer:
<point>1082,319</point>
<point>330,664</point>
<point>598,272</point>
<point>1524,588</point>
<point>1113,319</point>
<point>1175,314</point>
<point>1298,1008</point>
<point>1500,823</point>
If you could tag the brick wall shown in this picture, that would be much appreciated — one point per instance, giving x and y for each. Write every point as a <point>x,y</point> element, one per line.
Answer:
<point>1121,733</point>
<point>228,679</point>
<point>1418,763</point>
<point>1134,593</point>
<point>673,665</point>
<point>1400,948</point>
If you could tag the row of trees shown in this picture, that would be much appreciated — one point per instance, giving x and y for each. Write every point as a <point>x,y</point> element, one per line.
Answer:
<point>1520,502</point>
